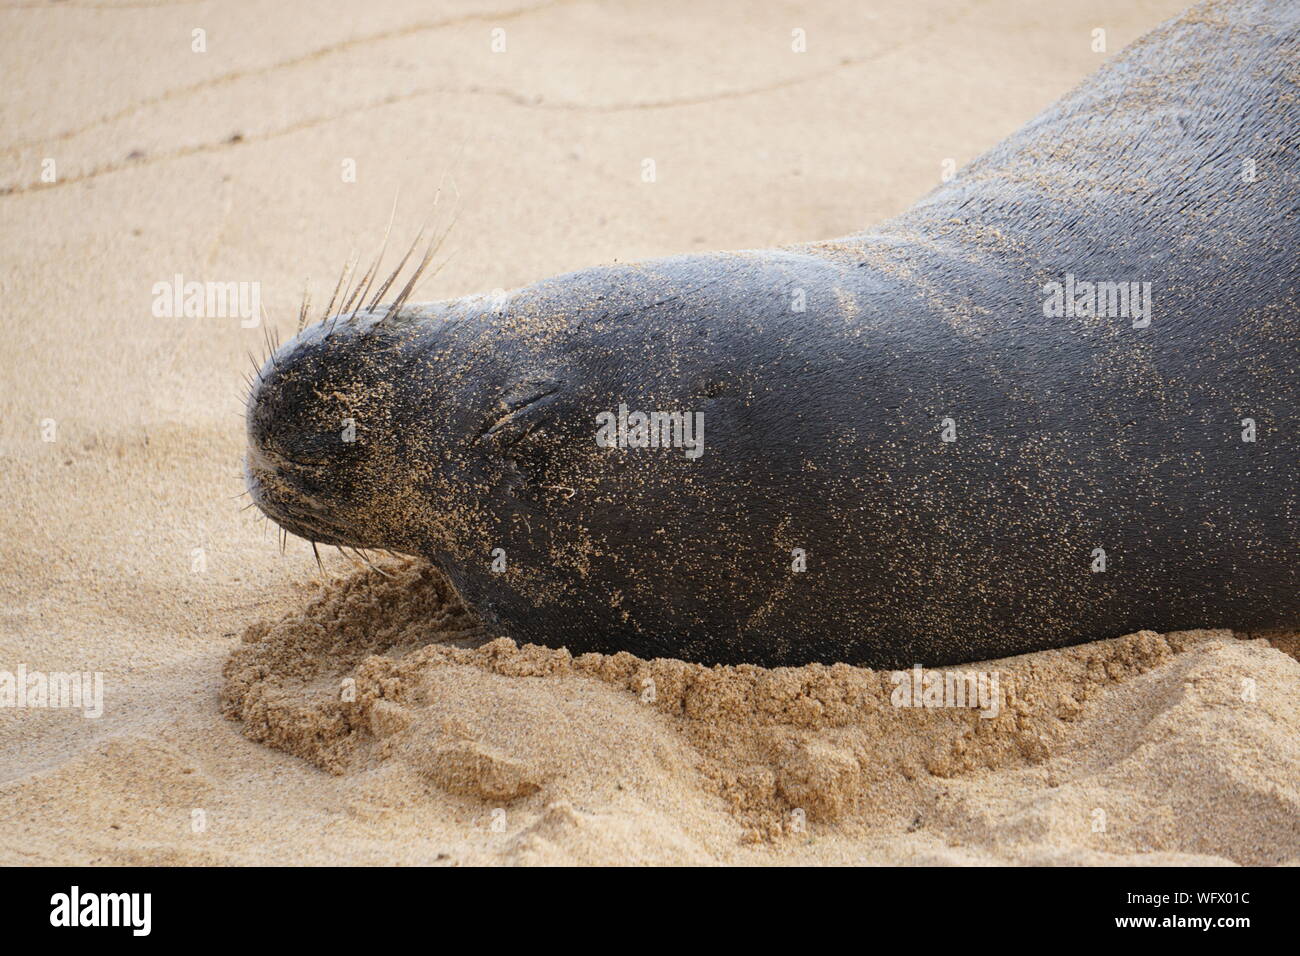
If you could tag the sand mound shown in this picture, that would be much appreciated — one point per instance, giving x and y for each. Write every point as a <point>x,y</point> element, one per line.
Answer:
<point>1180,745</point>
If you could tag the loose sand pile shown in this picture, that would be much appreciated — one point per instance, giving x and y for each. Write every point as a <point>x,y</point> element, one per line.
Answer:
<point>1151,744</point>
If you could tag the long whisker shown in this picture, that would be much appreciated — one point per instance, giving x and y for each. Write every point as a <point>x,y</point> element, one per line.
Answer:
<point>363,286</point>
<point>348,271</point>
<point>398,271</point>
<point>437,196</point>
<point>402,296</point>
<point>363,557</point>
<point>329,309</point>
<point>266,337</point>
<point>383,247</point>
<point>350,294</point>
<point>306,304</point>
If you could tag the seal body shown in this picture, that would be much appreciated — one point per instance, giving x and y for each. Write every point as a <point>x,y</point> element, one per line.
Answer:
<point>1054,402</point>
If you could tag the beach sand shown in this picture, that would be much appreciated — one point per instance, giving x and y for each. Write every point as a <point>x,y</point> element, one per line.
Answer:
<point>252,713</point>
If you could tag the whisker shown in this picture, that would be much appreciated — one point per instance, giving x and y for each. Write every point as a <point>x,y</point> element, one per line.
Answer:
<point>410,285</point>
<point>398,271</point>
<point>432,251</point>
<point>383,247</point>
<point>266,324</point>
<point>351,273</point>
<point>357,294</point>
<point>329,309</point>
<point>306,304</point>
<point>266,336</point>
<point>379,571</point>
<point>345,307</point>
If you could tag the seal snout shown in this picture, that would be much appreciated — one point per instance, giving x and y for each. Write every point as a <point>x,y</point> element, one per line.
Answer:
<point>315,422</point>
<point>290,472</point>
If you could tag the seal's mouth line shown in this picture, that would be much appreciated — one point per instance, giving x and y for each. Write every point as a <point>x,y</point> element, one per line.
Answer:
<point>311,528</point>
<point>300,522</point>
<point>303,529</point>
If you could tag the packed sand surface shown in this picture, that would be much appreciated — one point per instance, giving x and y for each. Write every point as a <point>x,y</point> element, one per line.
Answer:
<point>255,713</point>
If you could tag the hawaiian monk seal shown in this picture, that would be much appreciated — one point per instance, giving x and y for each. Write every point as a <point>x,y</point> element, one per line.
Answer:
<point>1054,402</point>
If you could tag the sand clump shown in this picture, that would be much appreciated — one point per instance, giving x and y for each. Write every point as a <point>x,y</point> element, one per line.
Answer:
<point>1148,743</point>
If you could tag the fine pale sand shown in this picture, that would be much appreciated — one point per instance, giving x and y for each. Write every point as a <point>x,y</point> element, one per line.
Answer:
<point>252,715</point>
